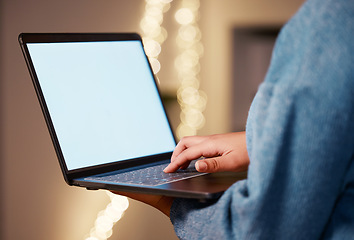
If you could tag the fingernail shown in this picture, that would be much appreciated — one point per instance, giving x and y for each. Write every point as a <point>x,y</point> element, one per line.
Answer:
<point>166,169</point>
<point>201,166</point>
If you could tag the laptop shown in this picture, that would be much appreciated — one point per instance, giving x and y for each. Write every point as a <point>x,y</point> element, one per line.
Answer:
<point>106,117</point>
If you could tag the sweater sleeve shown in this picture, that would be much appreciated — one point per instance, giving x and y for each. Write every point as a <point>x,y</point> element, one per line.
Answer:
<point>300,138</point>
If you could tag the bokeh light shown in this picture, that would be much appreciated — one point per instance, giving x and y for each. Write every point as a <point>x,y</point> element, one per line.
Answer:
<point>106,218</point>
<point>191,99</point>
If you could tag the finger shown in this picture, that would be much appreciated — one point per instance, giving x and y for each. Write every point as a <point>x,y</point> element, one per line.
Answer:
<point>208,165</point>
<point>203,149</point>
<point>220,164</point>
<point>174,166</point>
<point>185,143</point>
<point>185,165</point>
<point>183,159</point>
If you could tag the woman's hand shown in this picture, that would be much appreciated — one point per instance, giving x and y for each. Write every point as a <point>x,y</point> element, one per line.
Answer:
<point>221,152</point>
<point>162,203</point>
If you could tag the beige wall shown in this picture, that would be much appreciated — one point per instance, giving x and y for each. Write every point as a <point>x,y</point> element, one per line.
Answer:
<point>218,20</point>
<point>35,201</point>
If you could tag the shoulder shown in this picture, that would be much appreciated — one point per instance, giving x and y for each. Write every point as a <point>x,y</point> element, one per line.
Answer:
<point>311,71</point>
<point>315,49</point>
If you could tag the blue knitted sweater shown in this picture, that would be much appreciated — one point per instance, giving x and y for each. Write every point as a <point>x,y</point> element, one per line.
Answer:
<point>300,140</point>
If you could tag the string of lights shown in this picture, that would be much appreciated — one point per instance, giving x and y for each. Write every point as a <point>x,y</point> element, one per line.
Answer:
<point>153,33</point>
<point>191,99</point>
<point>108,217</point>
<point>153,36</point>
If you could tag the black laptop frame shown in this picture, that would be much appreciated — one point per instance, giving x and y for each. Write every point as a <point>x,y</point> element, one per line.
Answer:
<point>70,175</point>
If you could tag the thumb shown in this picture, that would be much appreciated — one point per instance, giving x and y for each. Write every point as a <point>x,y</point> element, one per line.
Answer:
<point>209,165</point>
<point>228,162</point>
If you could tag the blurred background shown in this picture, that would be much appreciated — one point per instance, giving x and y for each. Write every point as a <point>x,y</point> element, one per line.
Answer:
<point>235,39</point>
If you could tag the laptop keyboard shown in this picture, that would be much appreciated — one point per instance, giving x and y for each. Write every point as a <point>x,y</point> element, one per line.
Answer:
<point>149,176</point>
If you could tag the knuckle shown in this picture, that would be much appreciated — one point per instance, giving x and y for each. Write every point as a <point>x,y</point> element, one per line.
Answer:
<point>213,164</point>
<point>184,140</point>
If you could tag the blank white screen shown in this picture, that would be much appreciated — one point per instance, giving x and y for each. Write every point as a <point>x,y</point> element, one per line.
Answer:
<point>102,100</point>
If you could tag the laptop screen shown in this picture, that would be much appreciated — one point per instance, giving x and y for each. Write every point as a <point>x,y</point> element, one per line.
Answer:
<point>103,101</point>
